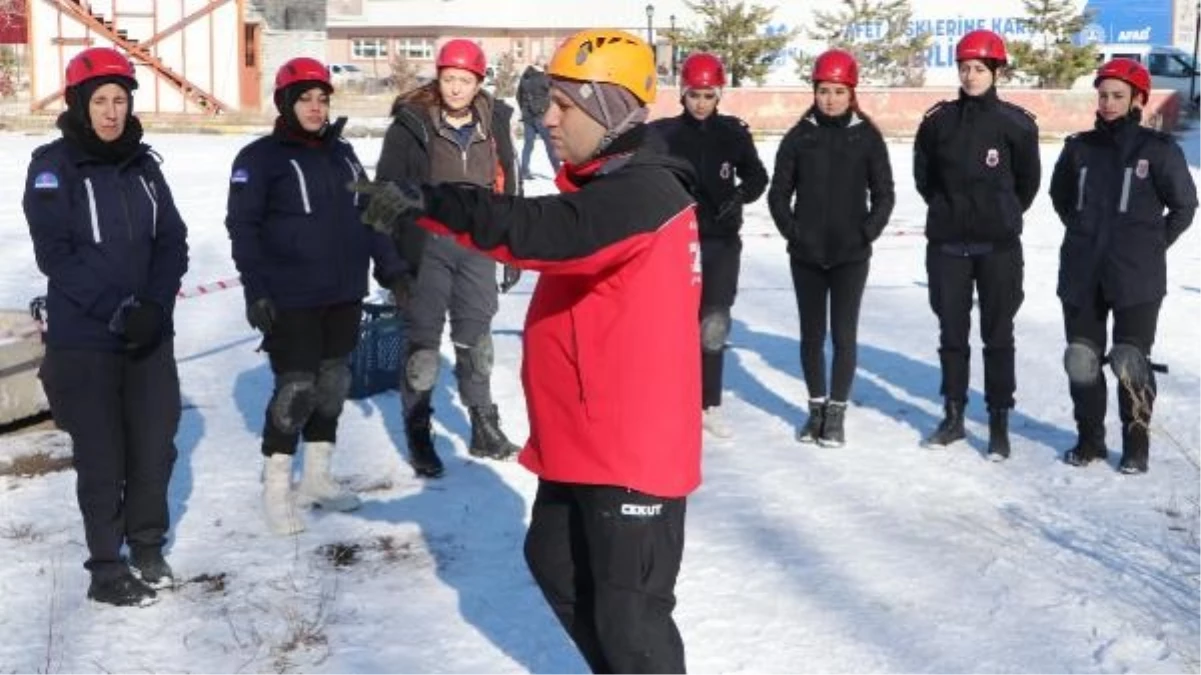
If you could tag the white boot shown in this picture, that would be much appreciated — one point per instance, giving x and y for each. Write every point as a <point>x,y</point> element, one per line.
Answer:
<point>279,504</point>
<point>317,486</point>
<point>711,420</point>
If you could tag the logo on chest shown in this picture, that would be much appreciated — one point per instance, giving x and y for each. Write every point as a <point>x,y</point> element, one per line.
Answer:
<point>992,158</point>
<point>726,171</point>
<point>1142,168</point>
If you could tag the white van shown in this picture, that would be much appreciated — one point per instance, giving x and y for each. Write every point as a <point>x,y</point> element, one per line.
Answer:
<point>1170,68</point>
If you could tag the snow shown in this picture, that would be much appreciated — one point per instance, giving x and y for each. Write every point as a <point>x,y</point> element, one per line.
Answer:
<point>878,556</point>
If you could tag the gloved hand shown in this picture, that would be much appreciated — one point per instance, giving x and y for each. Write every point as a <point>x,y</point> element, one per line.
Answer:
<point>143,325</point>
<point>401,288</point>
<point>260,314</point>
<point>511,277</point>
<point>389,201</point>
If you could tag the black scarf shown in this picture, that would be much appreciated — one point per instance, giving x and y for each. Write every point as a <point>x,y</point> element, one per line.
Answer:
<point>76,124</point>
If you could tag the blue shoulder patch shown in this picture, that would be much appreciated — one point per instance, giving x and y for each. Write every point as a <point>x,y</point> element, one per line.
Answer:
<point>240,175</point>
<point>45,180</point>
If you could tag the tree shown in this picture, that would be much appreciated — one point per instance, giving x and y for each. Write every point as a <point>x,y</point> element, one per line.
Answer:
<point>1051,58</point>
<point>504,77</point>
<point>404,73</point>
<point>734,31</point>
<point>877,33</point>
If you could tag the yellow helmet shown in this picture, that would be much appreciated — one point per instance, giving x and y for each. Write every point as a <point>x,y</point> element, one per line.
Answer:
<point>607,55</point>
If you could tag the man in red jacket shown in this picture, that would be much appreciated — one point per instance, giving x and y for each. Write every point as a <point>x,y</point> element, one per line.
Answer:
<point>615,432</point>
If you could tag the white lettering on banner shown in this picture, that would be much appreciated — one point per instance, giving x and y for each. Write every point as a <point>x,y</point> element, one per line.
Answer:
<point>1139,35</point>
<point>641,510</point>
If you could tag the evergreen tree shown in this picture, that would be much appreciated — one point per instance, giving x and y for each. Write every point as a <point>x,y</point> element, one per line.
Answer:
<point>1051,57</point>
<point>734,31</point>
<point>877,33</point>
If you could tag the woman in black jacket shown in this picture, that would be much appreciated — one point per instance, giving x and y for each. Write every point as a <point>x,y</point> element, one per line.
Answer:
<point>828,166</point>
<point>1124,194</point>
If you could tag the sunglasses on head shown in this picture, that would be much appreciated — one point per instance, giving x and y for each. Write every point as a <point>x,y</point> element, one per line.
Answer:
<point>706,95</point>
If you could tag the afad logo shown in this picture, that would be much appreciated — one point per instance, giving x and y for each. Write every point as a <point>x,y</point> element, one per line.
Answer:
<point>1135,35</point>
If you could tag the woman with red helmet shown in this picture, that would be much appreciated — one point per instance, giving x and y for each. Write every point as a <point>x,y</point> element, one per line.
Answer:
<point>1124,194</point>
<point>976,164</point>
<point>831,195</point>
<point>450,130</point>
<point>113,247</point>
<point>303,256</point>
<point>729,174</point>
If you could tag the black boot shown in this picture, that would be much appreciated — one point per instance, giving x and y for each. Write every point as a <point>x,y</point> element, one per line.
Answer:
<point>487,440</point>
<point>148,565</point>
<point>422,456</point>
<point>1135,447</point>
<point>998,434</point>
<point>950,429</point>
<point>123,591</point>
<point>1090,445</point>
<point>812,431</point>
<point>832,435</point>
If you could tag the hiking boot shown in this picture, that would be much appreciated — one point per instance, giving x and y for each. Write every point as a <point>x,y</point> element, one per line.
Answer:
<point>832,435</point>
<point>950,429</point>
<point>998,434</point>
<point>487,439</point>
<point>812,430</point>
<point>122,591</point>
<point>422,456</point>
<point>148,565</point>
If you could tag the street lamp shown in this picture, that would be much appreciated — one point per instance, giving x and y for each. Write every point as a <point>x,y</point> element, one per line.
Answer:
<point>672,20</point>
<point>650,18</point>
<point>1192,84</point>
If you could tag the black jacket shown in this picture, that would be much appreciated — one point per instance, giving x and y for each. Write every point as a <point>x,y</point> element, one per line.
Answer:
<point>838,171</point>
<point>533,94</point>
<point>102,233</point>
<point>975,162</point>
<point>1111,188</point>
<point>405,156</point>
<point>720,149</point>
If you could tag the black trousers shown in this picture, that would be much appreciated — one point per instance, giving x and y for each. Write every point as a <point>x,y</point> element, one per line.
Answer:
<point>1134,325</point>
<point>460,281</point>
<point>300,340</point>
<point>996,277</point>
<point>122,414</point>
<point>836,292</point>
<point>721,261</point>
<point>606,559</point>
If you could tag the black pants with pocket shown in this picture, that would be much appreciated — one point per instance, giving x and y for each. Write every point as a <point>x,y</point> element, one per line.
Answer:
<point>835,292</point>
<point>996,277</point>
<point>300,340</point>
<point>607,558</point>
<point>122,414</point>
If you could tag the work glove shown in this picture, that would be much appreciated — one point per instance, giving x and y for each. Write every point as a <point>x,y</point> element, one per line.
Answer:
<point>260,314</point>
<point>139,323</point>
<point>389,201</point>
<point>511,276</point>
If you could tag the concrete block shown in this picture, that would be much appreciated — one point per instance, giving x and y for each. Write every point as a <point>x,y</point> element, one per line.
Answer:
<point>21,354</point>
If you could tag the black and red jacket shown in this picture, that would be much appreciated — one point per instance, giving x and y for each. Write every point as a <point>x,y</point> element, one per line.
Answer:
<point>610,374</point>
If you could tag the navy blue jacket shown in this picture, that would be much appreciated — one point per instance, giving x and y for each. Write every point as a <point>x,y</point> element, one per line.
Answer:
<point>1124,194</point>
<point>295,229</point>
<point>101,233</point>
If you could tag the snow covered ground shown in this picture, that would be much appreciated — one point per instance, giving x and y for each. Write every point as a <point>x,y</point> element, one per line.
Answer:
<point>880,556</point>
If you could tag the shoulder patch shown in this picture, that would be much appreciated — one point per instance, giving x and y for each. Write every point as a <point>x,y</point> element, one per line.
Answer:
<point>935,108</point>
<point>240,176</point>
<point>45,180</point>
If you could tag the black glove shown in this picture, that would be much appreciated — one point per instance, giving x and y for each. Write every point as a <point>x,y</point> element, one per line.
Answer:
<point>401,288</point>
<point>389,201</point>
<point>260,314</point>
<point>143,325</point>
<point>511,277</point>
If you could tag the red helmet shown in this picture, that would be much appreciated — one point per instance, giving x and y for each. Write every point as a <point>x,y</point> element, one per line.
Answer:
<point>465,54</point>
<point>99,62</point>
<point>837,66</point>
<point>303,69</point>
<point>981,44</point>
<point>1129,71</point>
<point>702,71</point>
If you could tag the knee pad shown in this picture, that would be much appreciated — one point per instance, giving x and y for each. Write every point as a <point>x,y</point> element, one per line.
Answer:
<point>715,328</point>
<point>475,362</point>
<point>1130,365</point>
<point>421,369</point>
<point>1082,361</point>
<point>333,384</point>
<point>293,401</point>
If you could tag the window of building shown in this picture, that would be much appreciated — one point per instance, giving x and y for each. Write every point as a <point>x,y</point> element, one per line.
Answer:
<point>415,48</point>
<point>519,49</point>
<point>369,48</point>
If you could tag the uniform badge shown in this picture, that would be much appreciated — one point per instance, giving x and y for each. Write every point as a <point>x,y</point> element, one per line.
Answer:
<point>992,159</point>
<point>1142,168</point>
<point>45,181</point>
<point>240,175</point>
<point>725,171</point>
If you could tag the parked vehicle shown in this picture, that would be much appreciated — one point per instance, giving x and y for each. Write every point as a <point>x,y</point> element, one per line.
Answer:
<point>1170,67</point>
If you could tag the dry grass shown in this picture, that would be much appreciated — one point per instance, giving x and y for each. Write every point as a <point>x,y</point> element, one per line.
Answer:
<point>37,463</point>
